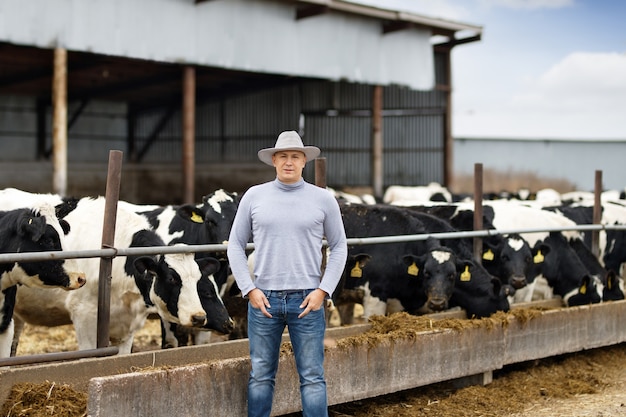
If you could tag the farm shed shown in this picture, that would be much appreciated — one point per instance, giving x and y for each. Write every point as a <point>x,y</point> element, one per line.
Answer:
<point>190,90</point>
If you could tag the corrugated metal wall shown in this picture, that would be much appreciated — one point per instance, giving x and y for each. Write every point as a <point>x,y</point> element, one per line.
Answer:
<point>335,116</point>
<point>413,133</point>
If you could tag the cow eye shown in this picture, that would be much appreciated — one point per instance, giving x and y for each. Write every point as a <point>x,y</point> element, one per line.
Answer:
<point>505,258</point>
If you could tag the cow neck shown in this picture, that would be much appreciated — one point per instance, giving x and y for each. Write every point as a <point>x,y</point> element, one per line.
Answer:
<point>289,187</point>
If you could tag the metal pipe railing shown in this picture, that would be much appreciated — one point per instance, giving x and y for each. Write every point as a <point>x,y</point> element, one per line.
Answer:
<point>183,248</point>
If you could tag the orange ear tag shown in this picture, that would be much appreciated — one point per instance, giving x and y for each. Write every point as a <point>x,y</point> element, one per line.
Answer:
<point>466,275</point>
<point>356,272</point>
<point>488,256</point>
<point>413,269</point>
<point>538,258</point>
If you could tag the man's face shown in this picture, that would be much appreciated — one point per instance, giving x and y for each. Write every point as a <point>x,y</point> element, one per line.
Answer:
<point>289,165</point>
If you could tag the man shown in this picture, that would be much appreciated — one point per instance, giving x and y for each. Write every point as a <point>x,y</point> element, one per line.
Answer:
<point>287,218</point>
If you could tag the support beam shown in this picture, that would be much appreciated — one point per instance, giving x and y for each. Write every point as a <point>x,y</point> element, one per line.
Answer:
<point>59,122</point>
<point>189,133</point>
<point>377,140</point>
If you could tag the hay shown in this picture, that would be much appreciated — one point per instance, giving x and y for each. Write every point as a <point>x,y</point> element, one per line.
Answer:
<point>46,399</point>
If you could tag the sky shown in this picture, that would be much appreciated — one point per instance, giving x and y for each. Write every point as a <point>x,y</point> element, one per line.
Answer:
<point>544,69</point>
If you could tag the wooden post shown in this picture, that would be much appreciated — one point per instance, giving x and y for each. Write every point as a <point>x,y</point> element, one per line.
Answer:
<point>478,211</point>
<point>377,141</point>
<point>189,133</point>
<point>108,241</point>
<point>59,122</point>
<point>320,172</point>
<point>320,181</point>
<point>597,214</point>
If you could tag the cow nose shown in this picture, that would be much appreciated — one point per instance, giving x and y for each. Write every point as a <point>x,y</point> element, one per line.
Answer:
<point>437,304</point>
<point>77,280</point>
<point>229,326</point>
<point>518,282</point>
<point>198,320</point>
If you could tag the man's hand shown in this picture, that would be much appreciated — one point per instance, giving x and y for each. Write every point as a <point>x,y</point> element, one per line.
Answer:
<point>313,302</point>
<point>259,300</point>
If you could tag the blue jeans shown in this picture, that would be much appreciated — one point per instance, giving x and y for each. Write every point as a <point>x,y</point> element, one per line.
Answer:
<point>307,339</point>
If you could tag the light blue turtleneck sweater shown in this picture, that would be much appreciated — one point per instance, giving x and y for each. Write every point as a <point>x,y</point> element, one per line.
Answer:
<point>287,223</point>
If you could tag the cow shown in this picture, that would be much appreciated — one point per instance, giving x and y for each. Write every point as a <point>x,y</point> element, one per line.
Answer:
<point>507,257</point>
<point>167,284</point>
<point>427,282</point>
<point>206,223</point>
<point>611,243</point>
<point>569,276</point>
<point>400,194</point>
<point>31,230</point>
<point>376,280</point>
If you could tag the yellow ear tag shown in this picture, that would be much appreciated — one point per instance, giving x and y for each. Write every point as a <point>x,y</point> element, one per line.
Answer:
<point>195,217</point>
<point>466,275</point>
<point>413,269</point>
<point>583,289</point>
<point>538,258</point>
<point>356,272</point>
<point>488,256</point>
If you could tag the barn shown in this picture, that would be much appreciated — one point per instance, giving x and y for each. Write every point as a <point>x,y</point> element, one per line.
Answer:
<point>189,90</point>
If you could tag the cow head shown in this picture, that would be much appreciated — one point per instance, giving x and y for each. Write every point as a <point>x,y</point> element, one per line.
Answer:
<point>587,292</point>
<point>614,288</point>
<point>565,271</point>
<point>37,230</point>
<point>218,317</point>
<point>219,210</point>
<point>182,290</point>
<point>480,293</point>
<point>435,272</point>
<point>510,259</point>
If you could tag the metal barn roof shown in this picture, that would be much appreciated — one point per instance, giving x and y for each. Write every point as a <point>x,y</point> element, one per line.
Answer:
<point>134,51</point>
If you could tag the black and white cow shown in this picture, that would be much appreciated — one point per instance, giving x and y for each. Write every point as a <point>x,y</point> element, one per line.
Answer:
<point>569,277</point>
<point>206,223</point>
<point>140,285</point>
<point>31,230</point>
<point>507,257</point>
<point>377,279</point>
<point>611,243</point>
<point>428,280</point>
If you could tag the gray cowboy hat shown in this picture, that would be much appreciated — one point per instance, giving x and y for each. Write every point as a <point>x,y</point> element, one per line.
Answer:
<point>288,141</point>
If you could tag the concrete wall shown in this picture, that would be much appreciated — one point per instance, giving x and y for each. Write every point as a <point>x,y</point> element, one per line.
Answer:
<point>212,379</point>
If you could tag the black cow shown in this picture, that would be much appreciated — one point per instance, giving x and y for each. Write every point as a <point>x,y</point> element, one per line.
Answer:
<point>566,273</point>
<point>31,230</point>
<point>377,279</point>
<point>612,243</point>
<point>507,257</point>
<point>427,282</point>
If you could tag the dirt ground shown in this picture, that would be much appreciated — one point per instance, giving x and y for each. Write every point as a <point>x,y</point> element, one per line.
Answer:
<point>590,383</point>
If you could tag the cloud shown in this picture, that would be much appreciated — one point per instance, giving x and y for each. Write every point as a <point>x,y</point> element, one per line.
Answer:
<point>583,81</point>
<point>583,96</point>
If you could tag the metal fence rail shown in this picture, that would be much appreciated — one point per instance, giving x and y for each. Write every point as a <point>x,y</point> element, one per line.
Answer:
<point>183,248</point>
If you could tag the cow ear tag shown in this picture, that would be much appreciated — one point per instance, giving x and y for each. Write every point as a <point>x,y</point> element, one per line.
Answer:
<point>356,272</point>
<point>466,275</point>
<point>488,256</point>
<point>538,257</point>
<point>413,269</point>
<point>583,289</point>
<point>195,217</point>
